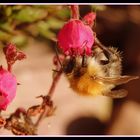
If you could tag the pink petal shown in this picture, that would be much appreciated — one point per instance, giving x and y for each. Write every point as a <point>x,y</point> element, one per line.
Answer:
<point>72,37</point>
<point>8,85</point>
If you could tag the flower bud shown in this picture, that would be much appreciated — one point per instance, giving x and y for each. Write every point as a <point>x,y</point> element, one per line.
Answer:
<point>89,18</point>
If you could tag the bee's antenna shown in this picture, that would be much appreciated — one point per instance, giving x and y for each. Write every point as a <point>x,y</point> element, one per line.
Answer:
<point>57,55</point>
<point>108,51</point>
<point>101,45</point>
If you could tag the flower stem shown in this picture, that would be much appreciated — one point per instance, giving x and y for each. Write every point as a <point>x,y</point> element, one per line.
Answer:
<point>50,94</point>
<point>9,67</point>
<point>74,11</point>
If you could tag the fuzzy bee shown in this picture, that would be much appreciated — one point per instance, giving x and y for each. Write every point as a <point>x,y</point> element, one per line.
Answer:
<point>98,74</point>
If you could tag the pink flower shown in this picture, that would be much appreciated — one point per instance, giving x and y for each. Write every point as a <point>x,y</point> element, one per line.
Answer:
<point>8,85</point>
<point>89,18</point>
<point>75,38</point>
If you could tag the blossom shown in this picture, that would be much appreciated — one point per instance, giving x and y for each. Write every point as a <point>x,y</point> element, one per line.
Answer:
<point>75,38</point>
<point>8,85</point>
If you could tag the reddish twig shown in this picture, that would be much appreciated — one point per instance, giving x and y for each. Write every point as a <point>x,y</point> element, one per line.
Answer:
<point>50,94</point>
<point>9,67</point>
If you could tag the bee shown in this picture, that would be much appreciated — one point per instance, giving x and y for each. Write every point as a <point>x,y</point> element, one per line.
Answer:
<point>97,74</point>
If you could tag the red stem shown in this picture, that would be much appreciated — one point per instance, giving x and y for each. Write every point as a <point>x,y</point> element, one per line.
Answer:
<point>9,67</point>
<point>75,11</point>
<point>54,83</point>
<point>50,93</point>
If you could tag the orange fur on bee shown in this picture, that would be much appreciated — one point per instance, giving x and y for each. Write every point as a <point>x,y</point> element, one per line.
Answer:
<point>86,85</point>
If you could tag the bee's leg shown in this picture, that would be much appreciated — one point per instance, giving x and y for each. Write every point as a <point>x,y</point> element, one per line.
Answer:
<point>55,70</point>
<point>117,93</point>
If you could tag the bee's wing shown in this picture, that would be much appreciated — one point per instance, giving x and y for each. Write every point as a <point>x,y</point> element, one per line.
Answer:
<point>117,93</point>
<point>117,80</point>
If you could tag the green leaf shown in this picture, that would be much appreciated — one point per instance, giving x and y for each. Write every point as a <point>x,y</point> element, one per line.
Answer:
<point>55,23</point>
<point>29,14</point>
<point>43,29</point>
<point>4,36</point>
<point>42,25</point>
<point>19,40</point>
<point>18,7</point>
<point>63,13</point>
<point>7,27</point>
<point>8,11</point>
<point>98,7</point>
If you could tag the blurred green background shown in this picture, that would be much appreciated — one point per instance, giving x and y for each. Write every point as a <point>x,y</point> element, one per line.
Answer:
<point>19,22</point>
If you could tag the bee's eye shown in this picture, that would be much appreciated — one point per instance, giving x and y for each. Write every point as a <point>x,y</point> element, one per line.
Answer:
<point>101,56</point>
<point>107,60</point>
<point>104,62</point>
<point>102,59</point>
<point>69,66</point>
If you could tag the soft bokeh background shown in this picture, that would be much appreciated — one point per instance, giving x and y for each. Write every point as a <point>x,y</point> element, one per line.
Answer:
<point>33,29</point>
